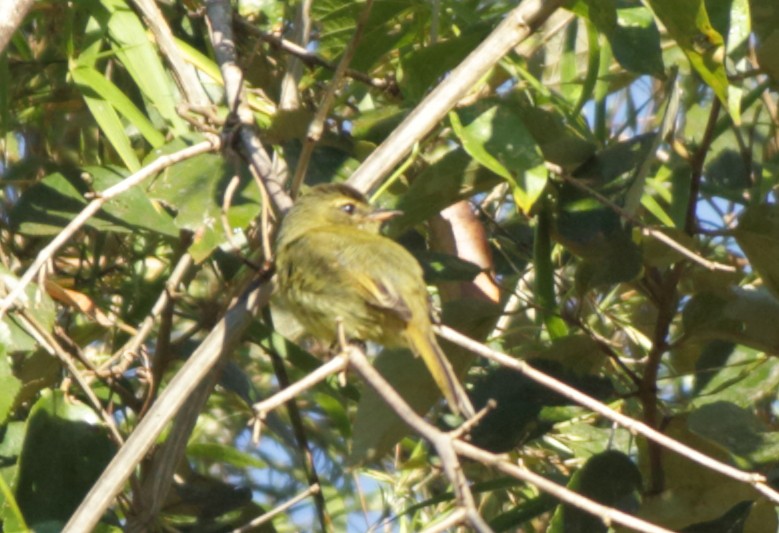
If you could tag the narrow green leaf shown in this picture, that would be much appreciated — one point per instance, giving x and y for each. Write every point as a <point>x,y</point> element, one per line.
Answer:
<point>134,49</point>
<point>689,25</point>
<point>90,79</point>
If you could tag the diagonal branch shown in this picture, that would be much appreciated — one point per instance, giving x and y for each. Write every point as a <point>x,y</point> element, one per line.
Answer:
<point>519,23</point>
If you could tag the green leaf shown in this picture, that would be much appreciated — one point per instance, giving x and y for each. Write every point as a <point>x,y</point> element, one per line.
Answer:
<point>494,134</point>
<point>12,437</point>
<point>422,68</point>
<point>92,82</point>
<point>688,23</point>
<point>758,235</point>
<point>135,51</point>
<point>195,188</point>
<point>742,316</point>
<point>737,430</point>
<point>221,453</point>
<point>440,267</point>
<point>454,177</point>
<point>609,478</point>
<point>133,207</point>
<point>64,453</point>
<point>9,384</point>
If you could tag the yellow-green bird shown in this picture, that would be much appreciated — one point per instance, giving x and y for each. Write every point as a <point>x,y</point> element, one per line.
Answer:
<point>333,264</point>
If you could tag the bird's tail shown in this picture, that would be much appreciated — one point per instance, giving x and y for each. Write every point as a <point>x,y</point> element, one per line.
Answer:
<point>425,346</point>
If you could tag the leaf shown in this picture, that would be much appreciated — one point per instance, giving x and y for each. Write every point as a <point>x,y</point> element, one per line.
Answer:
<point>441,267</point>
<point>135,51</point>
<point>64,453</point>
<point>688,23</point>
<point>742,316</point>
<point>609,478</point>
<point>9,384</point>
<point>422,68</point>
<point>452,178</point>
<point>195,188</point>
<point>737,430</point>
<point>631,32</point>
<point>733,521</point>
<point>493,133</point>
<point>758,235</point>
<point>694,493</point>
<point>765,21</point>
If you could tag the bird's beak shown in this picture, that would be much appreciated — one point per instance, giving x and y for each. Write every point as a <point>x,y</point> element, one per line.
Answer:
<point>382,215</point>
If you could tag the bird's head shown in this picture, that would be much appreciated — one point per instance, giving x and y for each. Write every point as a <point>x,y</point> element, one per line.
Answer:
<point>332,204</point>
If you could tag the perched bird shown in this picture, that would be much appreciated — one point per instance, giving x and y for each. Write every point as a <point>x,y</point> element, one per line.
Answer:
<point>333,264</point>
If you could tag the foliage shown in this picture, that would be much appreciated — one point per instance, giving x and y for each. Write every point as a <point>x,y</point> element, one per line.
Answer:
<point>617,127</point>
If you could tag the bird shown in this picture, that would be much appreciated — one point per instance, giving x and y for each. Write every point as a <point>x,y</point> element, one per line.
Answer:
<point>335,269</point>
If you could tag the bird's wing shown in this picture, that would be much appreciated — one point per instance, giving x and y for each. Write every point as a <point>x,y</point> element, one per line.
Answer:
<point>380,269</point>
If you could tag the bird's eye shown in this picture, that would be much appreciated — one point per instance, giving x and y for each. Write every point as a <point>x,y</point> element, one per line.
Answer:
<point>349,208</point>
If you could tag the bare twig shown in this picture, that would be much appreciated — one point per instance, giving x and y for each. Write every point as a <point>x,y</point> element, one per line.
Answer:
<point>267,517</point>
<point>758,481</point>
<point>93,207</point>
<point>517,26</point>
<point>335,365</point>
<point>312,59</point>
<point>50,344</point>
<point>171,286</point>
<point>443,442</point>
<point>645,229</point>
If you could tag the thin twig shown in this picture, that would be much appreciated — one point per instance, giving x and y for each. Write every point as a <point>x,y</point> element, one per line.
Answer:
<point>93,207</point>
<point>267,517</point>
<point>317,125</point>
<point>219,17</point>
<point>301,438</point>
<point>645,229</point>
<point>335,365</point>
<point>312,59</point>
<point>50,344</point>
<point>752,478</point>
<point>443,442</point>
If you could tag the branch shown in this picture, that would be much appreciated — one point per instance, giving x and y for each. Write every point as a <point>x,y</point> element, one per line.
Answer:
<point>758,481</point>
<point>446,445</point>
<point>223,339</point>
<point>517,26</point>
<point>219,17</point>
